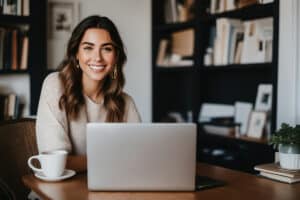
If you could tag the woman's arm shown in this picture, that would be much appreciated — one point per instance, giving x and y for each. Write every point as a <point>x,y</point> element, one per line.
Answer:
<point>77,163</point>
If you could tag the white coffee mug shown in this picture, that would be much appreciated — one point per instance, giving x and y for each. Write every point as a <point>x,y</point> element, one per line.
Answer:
<point>53,163</point>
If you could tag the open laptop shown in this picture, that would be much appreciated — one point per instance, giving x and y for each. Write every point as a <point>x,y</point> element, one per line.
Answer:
<point>141,156</point>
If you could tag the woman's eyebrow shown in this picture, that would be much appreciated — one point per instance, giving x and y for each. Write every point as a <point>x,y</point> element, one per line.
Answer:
<point>106,44</point>
<point>87,43</point>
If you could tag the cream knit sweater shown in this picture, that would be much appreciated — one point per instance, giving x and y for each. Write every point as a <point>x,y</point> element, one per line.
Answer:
<point>55,131</point>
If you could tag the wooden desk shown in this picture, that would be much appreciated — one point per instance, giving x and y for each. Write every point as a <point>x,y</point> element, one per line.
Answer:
<point>239,186</point>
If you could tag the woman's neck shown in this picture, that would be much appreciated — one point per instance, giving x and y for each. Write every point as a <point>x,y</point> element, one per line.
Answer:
<point>92,90</point>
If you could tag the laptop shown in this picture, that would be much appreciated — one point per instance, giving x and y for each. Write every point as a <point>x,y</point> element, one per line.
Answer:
<point>141,156</point>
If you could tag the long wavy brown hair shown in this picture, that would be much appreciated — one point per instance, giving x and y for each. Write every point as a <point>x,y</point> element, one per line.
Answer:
<point>72,99</point>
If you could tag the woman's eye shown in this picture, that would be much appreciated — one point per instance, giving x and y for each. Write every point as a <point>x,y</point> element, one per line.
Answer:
<point>87,48</point>
<point>108,49</point>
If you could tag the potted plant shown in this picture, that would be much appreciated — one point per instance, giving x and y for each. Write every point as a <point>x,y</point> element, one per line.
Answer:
<point>287,141</point>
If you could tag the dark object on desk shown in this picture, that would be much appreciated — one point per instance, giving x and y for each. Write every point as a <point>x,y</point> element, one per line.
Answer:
<point>204,182</point>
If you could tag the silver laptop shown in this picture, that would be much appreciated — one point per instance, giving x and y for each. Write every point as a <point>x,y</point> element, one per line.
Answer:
<point>141,156</point>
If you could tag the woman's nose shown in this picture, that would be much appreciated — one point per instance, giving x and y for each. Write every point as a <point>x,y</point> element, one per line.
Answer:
<point>98,56</point>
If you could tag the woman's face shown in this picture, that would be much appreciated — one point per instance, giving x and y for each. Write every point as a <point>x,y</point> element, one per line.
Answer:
<point>96,55</point>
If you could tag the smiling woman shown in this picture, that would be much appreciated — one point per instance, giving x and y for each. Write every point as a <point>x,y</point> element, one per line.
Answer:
<point>87,88</point>
<point>96,57</point>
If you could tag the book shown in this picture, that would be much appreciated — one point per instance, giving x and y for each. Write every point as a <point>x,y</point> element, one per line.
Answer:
<point>162,52</point>
<point>171,12</point>
<point>26,8</point>
<point>236,38</point>
<point>2,36</point>
<point>221,126</point>
<point>276,177</point>
<point>14,50</point>
<point>258,36</point>
<point>243,3</point>
<point>209,111</point>
<point>226,34</point>
<point>265,1</point>
<point>24,53</point>
<point>183,42</point>
<point>274,168</point>
<point>11,106</point>
<point>219,129</point>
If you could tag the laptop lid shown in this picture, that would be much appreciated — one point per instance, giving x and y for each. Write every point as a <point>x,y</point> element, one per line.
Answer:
<point>141,156</point>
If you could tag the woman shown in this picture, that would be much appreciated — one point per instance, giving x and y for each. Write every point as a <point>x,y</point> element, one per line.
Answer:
<point>87,88</point>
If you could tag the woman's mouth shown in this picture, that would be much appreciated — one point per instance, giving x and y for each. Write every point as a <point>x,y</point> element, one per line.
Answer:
<point>97,67</point>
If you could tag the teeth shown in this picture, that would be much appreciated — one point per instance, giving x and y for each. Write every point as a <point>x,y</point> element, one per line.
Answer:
<point>95,67</point>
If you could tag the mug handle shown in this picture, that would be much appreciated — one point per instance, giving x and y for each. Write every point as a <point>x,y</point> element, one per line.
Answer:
<point>33,167</point>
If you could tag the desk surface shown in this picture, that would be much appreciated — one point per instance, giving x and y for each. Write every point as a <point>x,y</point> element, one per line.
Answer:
<point>239,186</point>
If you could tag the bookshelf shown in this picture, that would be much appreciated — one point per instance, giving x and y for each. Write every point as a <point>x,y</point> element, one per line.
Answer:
<point>34,24</point>
<point>183,89</point>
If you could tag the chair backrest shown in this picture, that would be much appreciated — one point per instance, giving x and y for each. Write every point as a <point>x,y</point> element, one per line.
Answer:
<point>17,144</point>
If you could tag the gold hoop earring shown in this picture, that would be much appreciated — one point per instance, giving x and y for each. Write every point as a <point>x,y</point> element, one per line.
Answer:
<point>115,73</point>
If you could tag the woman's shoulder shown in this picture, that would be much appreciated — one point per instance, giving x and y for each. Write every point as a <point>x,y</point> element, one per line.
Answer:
<point>52,77</point>
<point>128,98</point>
<point>52,83</point>
<point>129,101</point>
<point>131,111</point>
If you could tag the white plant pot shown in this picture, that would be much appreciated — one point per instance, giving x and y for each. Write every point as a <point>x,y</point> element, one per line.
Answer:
<point>289,156</point>
<point>289,161</point>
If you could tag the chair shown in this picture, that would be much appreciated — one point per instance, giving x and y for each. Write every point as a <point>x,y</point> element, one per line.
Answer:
<point>17,144</point>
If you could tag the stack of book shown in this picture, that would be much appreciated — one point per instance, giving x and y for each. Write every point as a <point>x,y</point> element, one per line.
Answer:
<point>275,172</point>
<point>9,106</point>
<point>179,10</point>
<point>14,48</point>
<point>234,41</point>
<point>177,51</point>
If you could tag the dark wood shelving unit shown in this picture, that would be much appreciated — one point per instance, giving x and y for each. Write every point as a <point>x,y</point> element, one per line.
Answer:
<point>183,89</point>
<point>245,139</point>
<point>13,19</point>
<point>241,67</point>
<point>37,57</point>
<point>255,11</point>
<point>176,69</point>
<point>175,26</point>
<point>9,72</point>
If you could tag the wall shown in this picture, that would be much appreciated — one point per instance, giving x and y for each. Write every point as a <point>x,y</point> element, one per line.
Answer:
<point>133,19</point>
<point>288,107</point>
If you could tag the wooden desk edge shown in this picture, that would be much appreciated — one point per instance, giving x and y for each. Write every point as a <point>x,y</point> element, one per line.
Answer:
<point>30,177</point>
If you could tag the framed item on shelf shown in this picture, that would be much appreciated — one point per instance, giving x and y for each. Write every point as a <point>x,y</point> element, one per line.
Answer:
<point>242,114</point>
<point>256,124</point>
<point>264,97</point>
<point>62,17</point>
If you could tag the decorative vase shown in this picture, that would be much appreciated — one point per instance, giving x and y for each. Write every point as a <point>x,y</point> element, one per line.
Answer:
<point>289,156</point>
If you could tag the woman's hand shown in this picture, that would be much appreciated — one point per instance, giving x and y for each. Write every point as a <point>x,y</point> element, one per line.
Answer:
<point>77,163</point>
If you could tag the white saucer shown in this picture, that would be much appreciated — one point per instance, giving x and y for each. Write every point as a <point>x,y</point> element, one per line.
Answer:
<point>67,174</point>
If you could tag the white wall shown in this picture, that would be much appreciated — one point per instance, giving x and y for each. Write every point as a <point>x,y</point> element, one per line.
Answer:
<point>133,19</point>
<point>288,105</point>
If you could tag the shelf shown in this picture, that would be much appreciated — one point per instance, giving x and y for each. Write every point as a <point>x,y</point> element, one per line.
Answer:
<point>190,87</point>
<point>250,12</point>
<point>263,141</point>
<point>176,69</point>
<point>14,19</point>
<point>10,72</point>
<point>231,67</point>
<point>174,26</point>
